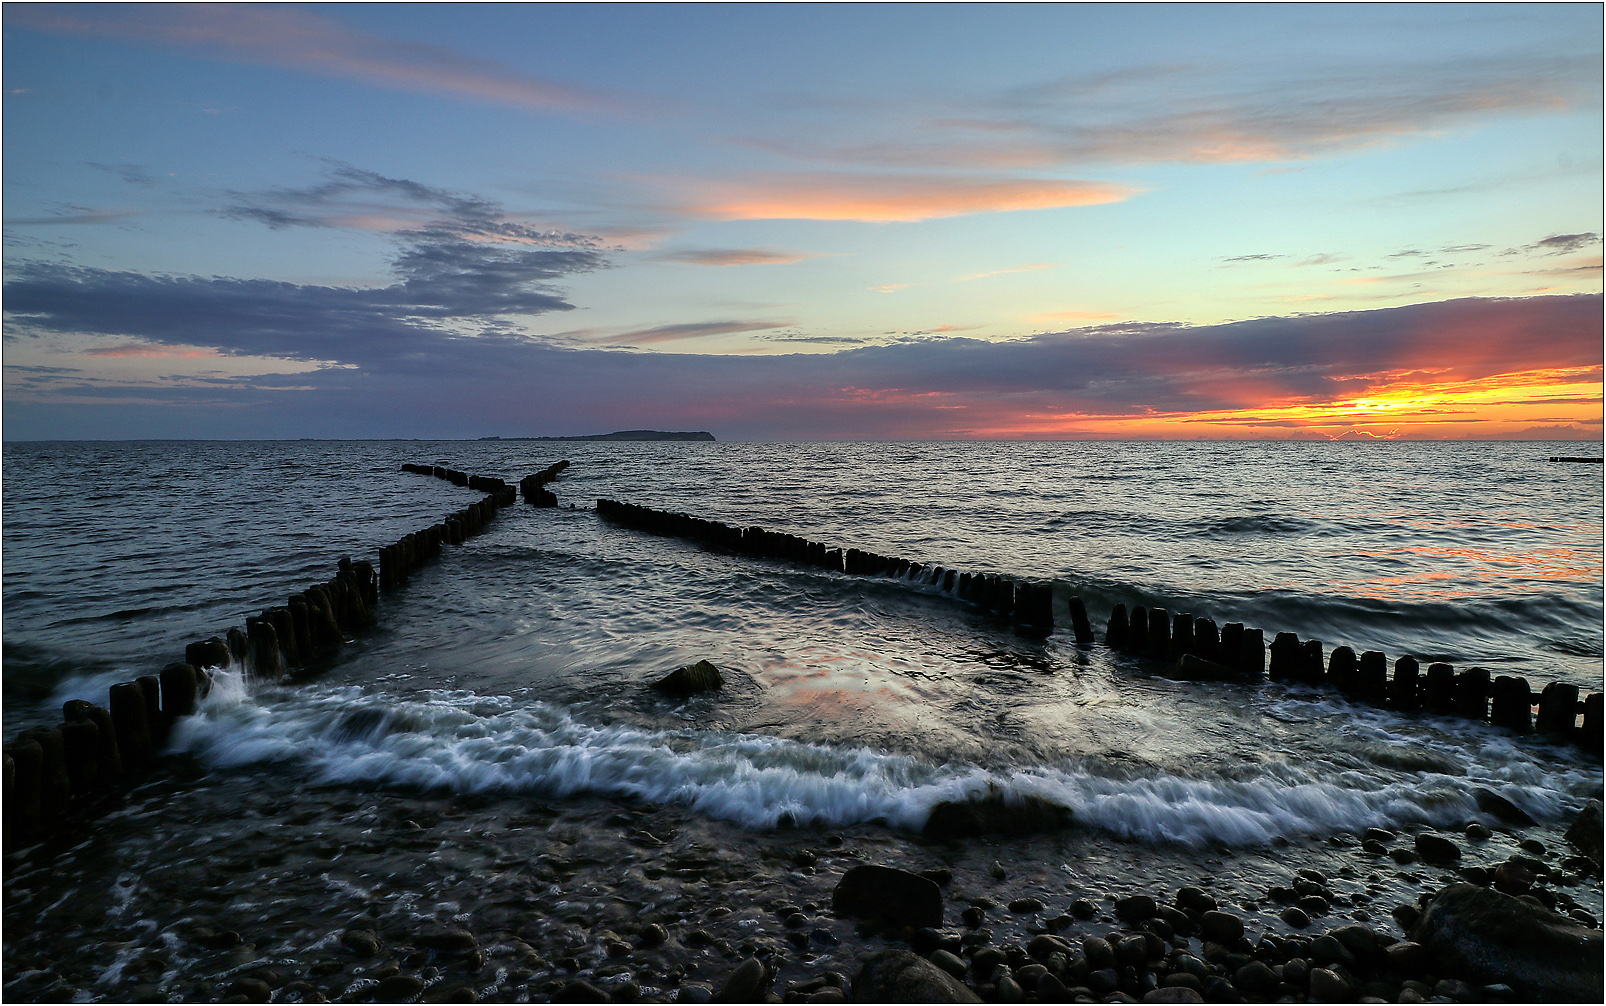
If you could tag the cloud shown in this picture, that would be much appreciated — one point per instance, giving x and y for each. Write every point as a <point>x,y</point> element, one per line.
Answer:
<point>357,198</point>
<point>305,40</point>
<point>144,349</point>
<point>408,367</point>
<point>1257,257</point>
<point>133,174</point>
<point>1559,431</point>
<point>407,321</point>
<point>74,215</point>
<point>735,256</point>
<point>1562,244</point>
<point>1220,114</point>
<point>693,330</point>
<point>888,198</point>
<point>1032,267</point>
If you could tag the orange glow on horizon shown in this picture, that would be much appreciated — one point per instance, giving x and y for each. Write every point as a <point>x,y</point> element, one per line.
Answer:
<point>1506,405</point>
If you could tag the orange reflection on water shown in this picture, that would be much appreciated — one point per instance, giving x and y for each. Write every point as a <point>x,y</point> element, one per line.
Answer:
<point>1560,564</point>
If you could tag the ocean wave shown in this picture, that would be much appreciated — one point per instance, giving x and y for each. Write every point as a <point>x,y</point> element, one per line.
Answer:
<point>465,743</point>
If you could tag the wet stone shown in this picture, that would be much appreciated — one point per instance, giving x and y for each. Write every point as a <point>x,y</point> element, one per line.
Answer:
<point>1024,906</point>
<point>1328,986</point>
<point>1136,908</point>
<point>362,942</point>
<point>1295,917</point>
<point>1221,927</point>
<point>1436,848</point>
<point>1195,900</point>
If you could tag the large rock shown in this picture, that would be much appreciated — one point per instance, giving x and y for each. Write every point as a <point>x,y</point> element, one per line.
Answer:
<point>1585,832</point>
<point>1490,938</point>
<point>905,898</point>
<point>691,679</point>
<point>898,976</point>
<point>995,813</point>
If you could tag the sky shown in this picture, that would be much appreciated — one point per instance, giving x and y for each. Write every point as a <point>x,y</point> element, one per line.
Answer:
<point>802,222</point>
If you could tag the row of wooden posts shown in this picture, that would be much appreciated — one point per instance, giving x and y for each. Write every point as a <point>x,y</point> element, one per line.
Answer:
<point>532,487</point>
<point>52,772</point>
<point>1194,646</point>
<point>1027,605</point>
<point>1504,700</point>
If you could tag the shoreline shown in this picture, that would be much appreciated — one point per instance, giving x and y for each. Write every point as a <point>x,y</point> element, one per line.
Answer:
<point>200,885</point>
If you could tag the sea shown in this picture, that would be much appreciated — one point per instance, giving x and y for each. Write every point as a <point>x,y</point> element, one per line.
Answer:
<point>496,727</point>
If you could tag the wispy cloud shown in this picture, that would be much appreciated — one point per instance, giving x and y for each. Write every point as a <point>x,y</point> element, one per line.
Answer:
<point>1217,114</point>
<point>75,215</point>
<point>888,198</point>
<point>692,330</point>
<point>1032,267</point>
<point>735,256</point>
<point>1563,244</point>
<point>305,40</point>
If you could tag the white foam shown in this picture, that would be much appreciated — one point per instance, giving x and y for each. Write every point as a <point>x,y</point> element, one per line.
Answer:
<point>461,742</point>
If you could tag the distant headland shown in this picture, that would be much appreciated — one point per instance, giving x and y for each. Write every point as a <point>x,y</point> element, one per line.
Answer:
<point>623,435</point>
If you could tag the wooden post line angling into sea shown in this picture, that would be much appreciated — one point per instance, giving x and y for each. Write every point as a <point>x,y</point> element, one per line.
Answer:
<point>1197,648</point>
<point>52,774</point>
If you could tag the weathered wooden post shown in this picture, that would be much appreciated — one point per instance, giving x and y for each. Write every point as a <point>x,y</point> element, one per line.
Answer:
<point>1181,633</point>
<point>1558,709</point>
<point>1287,658</point>
<point>1137,633</point>
<point>109,754</point>
<point>1372,678</point>
<point>1472,694</point>
<point>1439,688</point>
<point>1252,652</point>
<point>1079,623</point>
<point>1310,662</point>
<point>1341,670</point>
<point>1158,644</point>
<point>1405,691</point>
<point>179,688</point>
<point>133,727</point>
<point>1115,631</point>
<point>55,785</point>
<point>1510,704</point>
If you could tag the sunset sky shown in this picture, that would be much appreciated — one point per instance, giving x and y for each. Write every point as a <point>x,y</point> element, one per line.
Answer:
<point>803,222</point>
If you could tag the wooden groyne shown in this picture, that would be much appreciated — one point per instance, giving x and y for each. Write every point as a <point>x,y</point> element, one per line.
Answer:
<point>1193,647</point>
<point>57,774</point>
<point>1027,604</point>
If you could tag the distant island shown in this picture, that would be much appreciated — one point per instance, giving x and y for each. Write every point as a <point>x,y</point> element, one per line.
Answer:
<point>624,435</point>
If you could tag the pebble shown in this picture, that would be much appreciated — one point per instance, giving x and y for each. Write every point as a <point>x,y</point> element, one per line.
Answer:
<point>1195,900</point>
<point>1221,927</point>
<point>1024,906</point>
<point>1328,986</point>
<point>254,990</point>
<point>1295,916</point>
<point>1136,908</point>
<point>1100,955</point>
<point>362,942</point>
<point>653,935</point>
<point>1174,994</point>
<point>1437,847</point>
<point>746,984</point>
<point>1084,909</point>
<point>398,988</point>
<point>1478,833</point>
